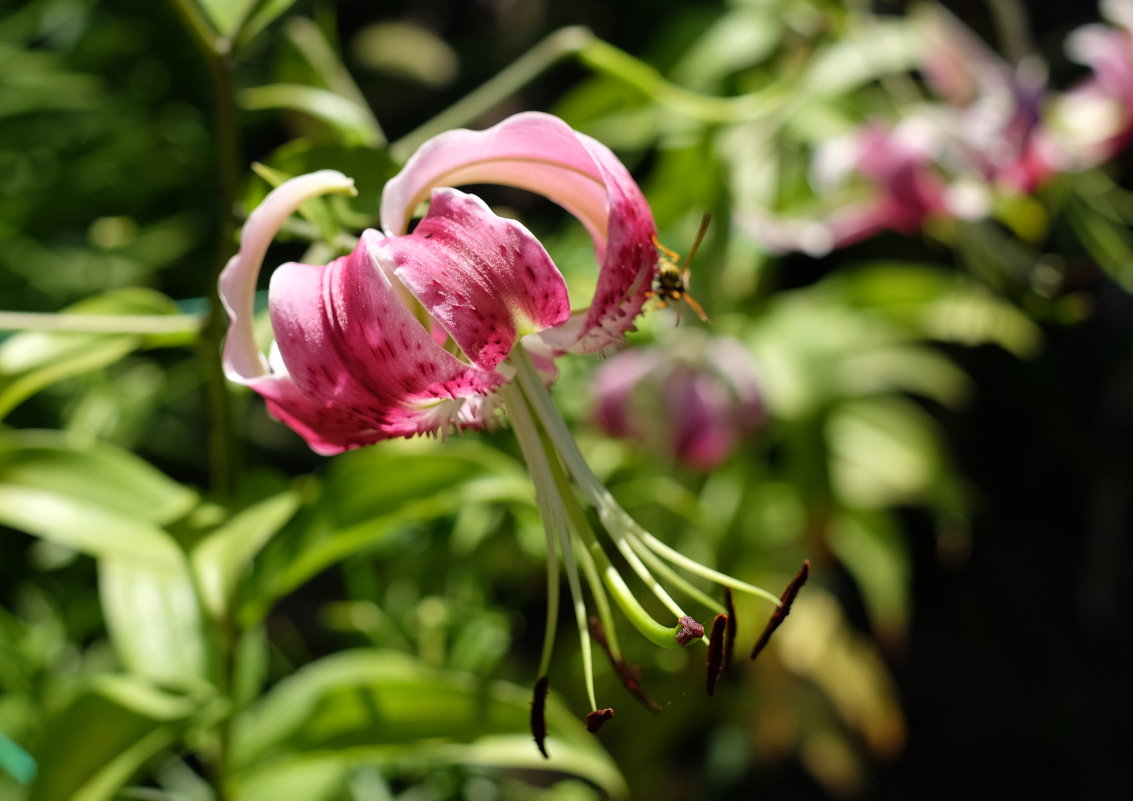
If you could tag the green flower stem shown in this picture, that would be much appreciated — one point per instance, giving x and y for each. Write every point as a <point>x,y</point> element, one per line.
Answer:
<point>617,522</point>
<point>671,576</point>
<point>589,561</point>
<point>634,611</point>
<point>549,498</point>
<point>555,484</point>
<point>525,434</point>
<point>612,516</point>
<point>102,323</point>
<point>691,565</point>
<point>609,577</point>
<point>601,599</point>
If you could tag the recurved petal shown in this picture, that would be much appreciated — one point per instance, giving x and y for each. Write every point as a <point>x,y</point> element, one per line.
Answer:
<point>243,360</point>
<point>485,279</point>
<point>542,154</point>
<point>363,368</point>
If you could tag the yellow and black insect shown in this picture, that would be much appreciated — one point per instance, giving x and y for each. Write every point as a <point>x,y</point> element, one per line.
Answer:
<point>671,283</point>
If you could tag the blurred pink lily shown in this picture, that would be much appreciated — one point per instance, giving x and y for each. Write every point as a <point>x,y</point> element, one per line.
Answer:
<point>890,181</point>
<point>353,364</point>
<point>706,389</point>
<point>1094,120</point>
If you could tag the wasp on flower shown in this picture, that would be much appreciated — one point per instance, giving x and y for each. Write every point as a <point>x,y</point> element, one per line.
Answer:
<point>353,364</point>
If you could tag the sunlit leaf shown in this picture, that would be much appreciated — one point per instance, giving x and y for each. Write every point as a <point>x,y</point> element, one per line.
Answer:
<point>226,15</point>
<point>33,360</point>
<point>737,40</point>
<point>875,48</point>
<point>873,549</point>
<point>883,451</point>
<point>121,724</point>
<point>266,12</point>
<point>371,495</point>
<point>350,120</point>
<point>363,707</point>
<point>325,64</point>
<point>820,645</point>
<point>98,473</point>
<point>89,496</point>
<point>222,558</point>
<point>369,168</point>
<point>155,620</point>
<point>406,50</point>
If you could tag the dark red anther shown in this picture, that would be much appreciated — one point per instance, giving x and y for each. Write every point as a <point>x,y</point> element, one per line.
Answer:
<point>716,651</point>
<point>730,632</point>
<point>780,614</point>
<point>597,719</point>
<point>688,630</point>
<point>538,715</point>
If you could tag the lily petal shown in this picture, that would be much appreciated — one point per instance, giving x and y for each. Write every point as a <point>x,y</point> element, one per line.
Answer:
<point>364,367</point>
<point>243,361</point>
<point>540,153</point>
<point>485,279</point>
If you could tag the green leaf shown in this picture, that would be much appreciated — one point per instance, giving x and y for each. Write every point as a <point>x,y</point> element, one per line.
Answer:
<point>372,494</point>
<point>873,549</point>
<point>940,305</point>
<point>872,50</point>
<point>369,168</point>
<point>226,16</point>
<point>153,615</point>
<point>352,121</point>
<point>89,496</point>
<point>883,451</point>
<point>267,12</point>
<point>104,737</point>
<point>97,473</point>
<point>368,706</point>
<point>33,360</point>
<point>223,557</point>
<point>737,40</point>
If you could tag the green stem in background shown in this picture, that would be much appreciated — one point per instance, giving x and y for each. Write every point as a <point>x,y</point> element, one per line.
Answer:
<point>101,323</point>
<point>218,54</point>
<point>549,52</point>
<point>222,439</point>
<point>601,57</point>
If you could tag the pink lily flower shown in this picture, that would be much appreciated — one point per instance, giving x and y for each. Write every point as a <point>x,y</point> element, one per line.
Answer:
<point>352,362</point>
<point>422,331</point>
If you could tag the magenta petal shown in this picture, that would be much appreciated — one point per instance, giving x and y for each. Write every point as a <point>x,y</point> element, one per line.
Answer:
<point>541,153</point>
<point>485,279</point>
<point>362,367</point>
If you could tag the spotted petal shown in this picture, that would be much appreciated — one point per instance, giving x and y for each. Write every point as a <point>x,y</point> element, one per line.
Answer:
<point>485,279</point>
<point>364,367</point>
<point>243,360</point>
<point>541,153</point>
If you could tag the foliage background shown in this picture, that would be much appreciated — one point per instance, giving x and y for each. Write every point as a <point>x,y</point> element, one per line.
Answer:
<point>996,596</point>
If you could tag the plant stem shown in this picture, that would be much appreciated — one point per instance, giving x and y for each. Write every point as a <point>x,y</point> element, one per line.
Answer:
<point>101,323</point>
<point>559,45</point>
<point>221,439</point>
